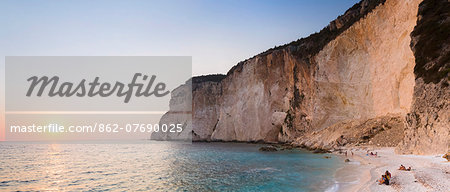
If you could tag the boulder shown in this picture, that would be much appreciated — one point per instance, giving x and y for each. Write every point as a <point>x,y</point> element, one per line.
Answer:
<point>320,150</point>
<point>268,148</point>
<point>447,156</point>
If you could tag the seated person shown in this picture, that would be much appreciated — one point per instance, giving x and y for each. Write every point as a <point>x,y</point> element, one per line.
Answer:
<point>402,168</point>
<point>382,180</point>
<point>388,175</point>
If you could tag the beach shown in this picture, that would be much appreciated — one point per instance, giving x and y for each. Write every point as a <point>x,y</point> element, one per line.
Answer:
<point>429,173</point>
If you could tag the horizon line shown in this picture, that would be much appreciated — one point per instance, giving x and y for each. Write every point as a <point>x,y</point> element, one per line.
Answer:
<point>84,112</point>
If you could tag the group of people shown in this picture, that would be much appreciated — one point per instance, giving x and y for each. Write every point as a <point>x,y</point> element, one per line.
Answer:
<point>385,178</point>
<point>403,168</point>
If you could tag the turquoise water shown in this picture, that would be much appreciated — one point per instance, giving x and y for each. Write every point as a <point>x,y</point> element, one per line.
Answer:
<point>162,166</point>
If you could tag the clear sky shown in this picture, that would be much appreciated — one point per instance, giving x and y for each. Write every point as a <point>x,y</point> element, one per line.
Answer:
<point>217,34</point>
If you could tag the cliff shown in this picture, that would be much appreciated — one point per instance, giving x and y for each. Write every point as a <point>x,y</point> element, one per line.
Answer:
<point>352,83</point>
<point>428,127</point>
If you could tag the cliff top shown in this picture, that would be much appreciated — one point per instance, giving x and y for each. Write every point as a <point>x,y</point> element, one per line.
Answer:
<point>205,78</point>
<point>312,44</point>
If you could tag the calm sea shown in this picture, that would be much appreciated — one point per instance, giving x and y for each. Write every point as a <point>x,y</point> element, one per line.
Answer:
<point>162,166</point>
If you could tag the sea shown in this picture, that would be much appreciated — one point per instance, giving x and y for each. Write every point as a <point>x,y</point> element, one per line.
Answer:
<point>163,166</point>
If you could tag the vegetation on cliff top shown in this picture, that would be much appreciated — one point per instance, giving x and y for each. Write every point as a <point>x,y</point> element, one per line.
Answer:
<point>205,78</point>
<point>431,41</point>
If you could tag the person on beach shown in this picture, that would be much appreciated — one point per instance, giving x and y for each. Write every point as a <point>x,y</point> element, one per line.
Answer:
<point>403,168</point>
<point>386,181</point>
<point>388,175</point>
<point>383,180</point>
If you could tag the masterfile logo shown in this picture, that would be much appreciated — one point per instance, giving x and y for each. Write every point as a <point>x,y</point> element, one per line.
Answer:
<point>93,83</point>
<point>95,88</point>
<point>93,97</point>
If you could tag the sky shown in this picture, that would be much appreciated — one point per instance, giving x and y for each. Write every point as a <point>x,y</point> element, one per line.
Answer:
<point>217,34</point>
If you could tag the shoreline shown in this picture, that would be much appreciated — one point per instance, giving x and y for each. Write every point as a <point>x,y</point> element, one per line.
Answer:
<point>345,177</point>
<point>429,173</point>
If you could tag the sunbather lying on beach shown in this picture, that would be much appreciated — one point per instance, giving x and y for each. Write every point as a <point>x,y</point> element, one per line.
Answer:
<point>403,168</point>
<point>372,154</point>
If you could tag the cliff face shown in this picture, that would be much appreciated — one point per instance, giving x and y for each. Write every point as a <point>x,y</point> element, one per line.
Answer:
<point>254,100</point>
<point>271,96</point>
<point>367,71</point>
<point>428,127</point>
<point>180,112</point>
<point>344,85</point>
<point>206,92</point>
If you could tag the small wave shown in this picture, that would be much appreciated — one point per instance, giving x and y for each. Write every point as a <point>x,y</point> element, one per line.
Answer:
<point>269,169</point>
<point>28,181</point>
<point>354,163</point>
<point>108,174</point>
<point>333,188</point>
<point>337,185</point>
<point>90,172</point>
<point>353,182</point>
